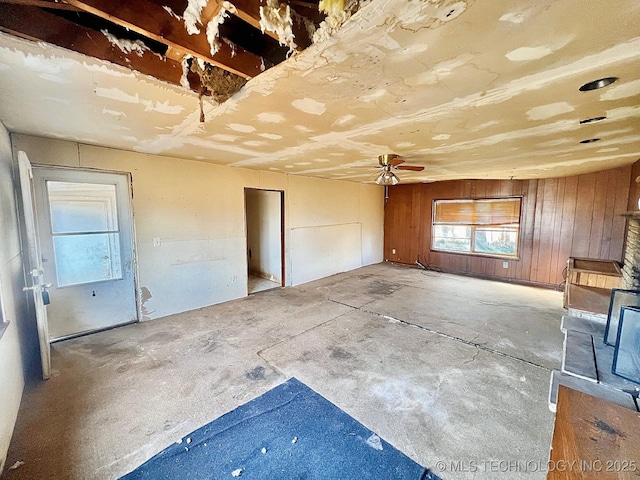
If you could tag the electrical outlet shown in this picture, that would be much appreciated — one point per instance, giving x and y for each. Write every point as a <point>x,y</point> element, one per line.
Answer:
<point>156,242</point>
<point>393,251</point>
<point>505,264</point>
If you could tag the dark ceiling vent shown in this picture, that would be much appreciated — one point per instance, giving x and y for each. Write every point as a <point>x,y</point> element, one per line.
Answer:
<point>600,83</point>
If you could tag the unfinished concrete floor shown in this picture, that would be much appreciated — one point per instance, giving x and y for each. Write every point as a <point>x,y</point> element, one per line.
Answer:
<point>446,368</point>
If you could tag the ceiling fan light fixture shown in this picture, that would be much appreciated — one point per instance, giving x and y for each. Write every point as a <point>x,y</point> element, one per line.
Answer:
<point>387,178</point>
<point>389,159</point>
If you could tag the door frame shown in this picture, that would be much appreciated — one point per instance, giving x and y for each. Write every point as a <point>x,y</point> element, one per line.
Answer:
<point>282,230</point>
<point>134,250</point>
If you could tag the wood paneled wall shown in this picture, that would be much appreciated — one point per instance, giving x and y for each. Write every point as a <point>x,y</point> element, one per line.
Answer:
<point>634,190</point>
<point>561,217</point>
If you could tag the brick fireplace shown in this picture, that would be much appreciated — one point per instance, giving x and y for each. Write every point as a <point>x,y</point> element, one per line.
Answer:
<point>631,267</point>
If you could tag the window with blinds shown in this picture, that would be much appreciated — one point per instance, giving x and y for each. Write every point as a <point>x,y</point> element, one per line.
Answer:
<point>486,226</point>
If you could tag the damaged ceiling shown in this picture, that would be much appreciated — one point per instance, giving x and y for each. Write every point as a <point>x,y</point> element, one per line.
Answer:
<point>469,89</point>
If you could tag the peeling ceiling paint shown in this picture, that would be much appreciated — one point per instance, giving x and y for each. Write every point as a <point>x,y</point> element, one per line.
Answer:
<point>469,89</point>
<point>309,105</point>
<point>268,117</point>
<point>624,90</point>
<point>523,54</point>
<point>544,112</point>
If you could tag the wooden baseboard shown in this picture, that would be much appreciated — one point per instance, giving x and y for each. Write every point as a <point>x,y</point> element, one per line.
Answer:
<point>496,278</point>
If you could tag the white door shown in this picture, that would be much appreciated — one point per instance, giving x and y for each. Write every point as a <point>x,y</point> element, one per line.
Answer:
<point>35,270</point>
<point>86,239</point>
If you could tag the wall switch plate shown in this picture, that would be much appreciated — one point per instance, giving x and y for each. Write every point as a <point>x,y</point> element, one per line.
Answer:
<point>393,251</point>
<point>156,242</point>
<point>505,264</point>
<point>234,279</point>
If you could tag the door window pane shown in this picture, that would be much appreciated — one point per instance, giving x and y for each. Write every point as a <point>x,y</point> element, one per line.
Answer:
<point>84,224</point>
<point>87,258</point>
<point>82,207</point>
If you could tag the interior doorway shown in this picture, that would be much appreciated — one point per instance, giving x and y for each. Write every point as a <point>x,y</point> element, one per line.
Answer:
<point>86,239</point>
<point>264,214</point>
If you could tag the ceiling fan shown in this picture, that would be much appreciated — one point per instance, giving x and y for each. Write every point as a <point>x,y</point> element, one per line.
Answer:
<point>389,162</point>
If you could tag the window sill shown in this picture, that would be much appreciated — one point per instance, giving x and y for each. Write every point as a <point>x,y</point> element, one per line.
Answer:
<point>3,328</point>
<point>482,255</point>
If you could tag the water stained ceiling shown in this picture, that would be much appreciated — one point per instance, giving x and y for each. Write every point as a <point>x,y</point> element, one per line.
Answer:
<point>468,89</point>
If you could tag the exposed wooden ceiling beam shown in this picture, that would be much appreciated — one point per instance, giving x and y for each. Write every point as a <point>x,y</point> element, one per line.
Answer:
<point>249,11</point>
<point>42,3</point>
<point>210,10</point>
<point>36,24</point>
<point>308,10</point>
<point>301,34</point>
<point>174,54</point>
<point>151,20</point>
<point>302,3</point>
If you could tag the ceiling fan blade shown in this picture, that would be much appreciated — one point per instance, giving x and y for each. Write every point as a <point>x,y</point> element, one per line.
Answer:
<point>414,168</point>
<point>389,159</point>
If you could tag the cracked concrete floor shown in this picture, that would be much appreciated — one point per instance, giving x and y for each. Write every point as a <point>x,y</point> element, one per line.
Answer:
<point>445,368</point>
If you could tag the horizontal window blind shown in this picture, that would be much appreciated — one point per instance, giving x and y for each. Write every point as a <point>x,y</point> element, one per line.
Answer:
<point>503,211</point>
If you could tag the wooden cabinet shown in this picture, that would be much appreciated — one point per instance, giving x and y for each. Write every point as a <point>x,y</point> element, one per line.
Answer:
<point>589,283</point>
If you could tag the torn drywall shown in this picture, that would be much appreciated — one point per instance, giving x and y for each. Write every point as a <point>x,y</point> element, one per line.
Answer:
<point>219,82</point>
<point>186,65</point>
<point>126,46</point>
<point>191,15</point>
<point>171,12</point>
<point>213,27</point>
<point>276,17</point>
<point>193,21</point>
<point>429,80</point>
<point>338,12</point>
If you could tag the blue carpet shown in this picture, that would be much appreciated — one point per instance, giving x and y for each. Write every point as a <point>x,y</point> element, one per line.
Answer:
<point>290,432</point>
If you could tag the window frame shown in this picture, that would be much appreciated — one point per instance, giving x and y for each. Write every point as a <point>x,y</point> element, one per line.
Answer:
<point>473,227</point>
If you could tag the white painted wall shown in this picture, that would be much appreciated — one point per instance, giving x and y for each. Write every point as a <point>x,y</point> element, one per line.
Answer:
<point>13,299</point>
<point>197,211</point>
<point>338,223</point>
<point>263,233</point>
